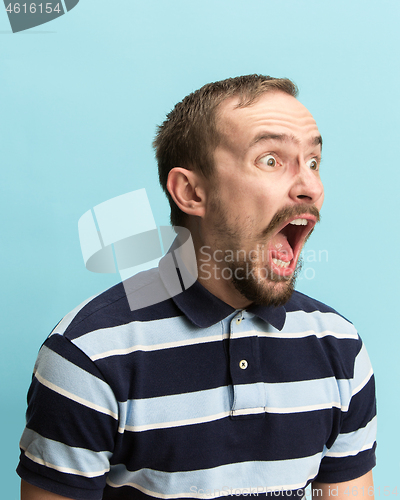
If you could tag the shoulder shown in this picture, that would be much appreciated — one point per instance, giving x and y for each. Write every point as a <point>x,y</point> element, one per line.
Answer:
<point>112,309</point>
<point>100,341</point>
<point>332,337</point>
<point>301,302</point>
<point>304,310</point>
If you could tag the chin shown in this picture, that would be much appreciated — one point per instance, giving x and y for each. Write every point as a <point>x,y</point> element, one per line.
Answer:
<point>263,290</point>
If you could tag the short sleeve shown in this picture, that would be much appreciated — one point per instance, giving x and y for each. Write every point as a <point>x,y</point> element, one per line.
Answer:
<point>72,420</point>
<point>352,453</point>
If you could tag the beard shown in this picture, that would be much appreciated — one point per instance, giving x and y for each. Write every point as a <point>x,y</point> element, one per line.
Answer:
<point>252,277</point>
<point>260,285</point>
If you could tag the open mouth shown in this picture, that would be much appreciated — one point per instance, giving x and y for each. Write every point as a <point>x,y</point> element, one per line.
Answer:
<point>286,244</point>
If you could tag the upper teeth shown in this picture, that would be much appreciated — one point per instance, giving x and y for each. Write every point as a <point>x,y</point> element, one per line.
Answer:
<point>299,222</point>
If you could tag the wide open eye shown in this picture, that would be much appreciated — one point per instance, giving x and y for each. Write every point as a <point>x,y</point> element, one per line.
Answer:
<point>268,160</point>
<point>313,164</point>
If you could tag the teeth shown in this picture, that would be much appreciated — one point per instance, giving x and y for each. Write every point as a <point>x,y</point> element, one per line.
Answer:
<point>280,263</point>
<point>299,222</point>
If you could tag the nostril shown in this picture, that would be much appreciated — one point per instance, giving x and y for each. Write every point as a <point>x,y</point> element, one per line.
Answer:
<point>302,196</point>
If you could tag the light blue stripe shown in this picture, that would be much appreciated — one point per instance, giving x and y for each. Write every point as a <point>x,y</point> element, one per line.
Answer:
<point>59,374</point>
<point>180,409</point>
<point>274,475</point>
<point>176,408</point>
<point>303,395</point>
<point>362,367</point>
<point>352,443</point>
<point>318,321</point>
<point>180,331</point>
<point>148,334</point>
<point>61,457</point>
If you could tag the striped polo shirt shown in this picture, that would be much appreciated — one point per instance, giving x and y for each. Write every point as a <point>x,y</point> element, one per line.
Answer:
<point>190,398</point>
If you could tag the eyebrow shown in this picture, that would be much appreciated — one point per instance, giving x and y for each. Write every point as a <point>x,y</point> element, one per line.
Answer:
<point>284,138</point>
<point>317,141</point>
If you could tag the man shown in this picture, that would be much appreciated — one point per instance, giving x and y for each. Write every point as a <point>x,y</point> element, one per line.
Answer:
<point>239,385</point>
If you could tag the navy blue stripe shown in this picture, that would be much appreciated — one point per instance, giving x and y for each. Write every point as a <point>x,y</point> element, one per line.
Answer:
<point>69,422</point>
<point>288,360</point>
<point>125,493</point>
<point>347,468</point>
<point>204,366</point>
<point>301,302</point>
<point>169,371</point>
<point>361,409</point>
<point>111,309</point>
<point>229,440</point>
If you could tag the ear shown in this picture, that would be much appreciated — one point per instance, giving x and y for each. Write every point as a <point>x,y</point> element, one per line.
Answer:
<point>187,189</point>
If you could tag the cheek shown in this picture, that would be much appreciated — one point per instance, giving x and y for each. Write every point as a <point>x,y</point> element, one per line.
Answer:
<point>236,196</point>
<point>321,200</point>
<point>266,204</point>
<point>270,195</point>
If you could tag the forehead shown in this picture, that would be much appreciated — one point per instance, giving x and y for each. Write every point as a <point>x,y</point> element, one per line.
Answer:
<point>274,112</point>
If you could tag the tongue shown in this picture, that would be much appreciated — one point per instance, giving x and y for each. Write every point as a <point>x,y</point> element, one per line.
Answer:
<point>280,248</point>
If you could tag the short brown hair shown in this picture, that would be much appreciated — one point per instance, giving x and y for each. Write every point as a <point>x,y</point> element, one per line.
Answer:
<point>189,136</point>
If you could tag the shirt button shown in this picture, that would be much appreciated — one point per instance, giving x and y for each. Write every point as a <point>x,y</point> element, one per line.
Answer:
<point>243,364</point>
<point>238,321</point>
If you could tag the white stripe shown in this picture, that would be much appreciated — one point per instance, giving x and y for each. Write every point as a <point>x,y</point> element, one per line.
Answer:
<point>301,409</point>
<point>176,423</point>
<point>66,470</point>
<point>73,397</point>
<point>363,383</point>
<point>157,347</point>
<point>216,338</point>
<point>248,411</point>
<point>290,335</point>
<point>367,446</point>
<point>147,491</point>
<point>308,333</point>
<point>362,365</point>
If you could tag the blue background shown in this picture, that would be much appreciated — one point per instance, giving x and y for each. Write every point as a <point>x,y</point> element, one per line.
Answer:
<point>80,99</point>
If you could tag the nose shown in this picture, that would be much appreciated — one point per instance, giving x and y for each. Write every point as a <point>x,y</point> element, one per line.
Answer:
<point>307,186</point>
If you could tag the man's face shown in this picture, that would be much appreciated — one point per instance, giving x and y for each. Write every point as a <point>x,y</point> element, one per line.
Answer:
<point>267,194</point>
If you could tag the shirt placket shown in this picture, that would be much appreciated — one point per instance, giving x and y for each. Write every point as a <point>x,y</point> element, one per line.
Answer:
<point>249,399</point>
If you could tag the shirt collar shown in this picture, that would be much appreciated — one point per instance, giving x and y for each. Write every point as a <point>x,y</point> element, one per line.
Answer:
<point>204,309</point>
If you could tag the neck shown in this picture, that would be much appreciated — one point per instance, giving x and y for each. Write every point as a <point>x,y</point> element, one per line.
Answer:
<point>221,288</point>
<point>214,274</point>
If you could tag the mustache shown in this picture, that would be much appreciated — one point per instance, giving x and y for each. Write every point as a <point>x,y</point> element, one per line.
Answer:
<point>286,213</point>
